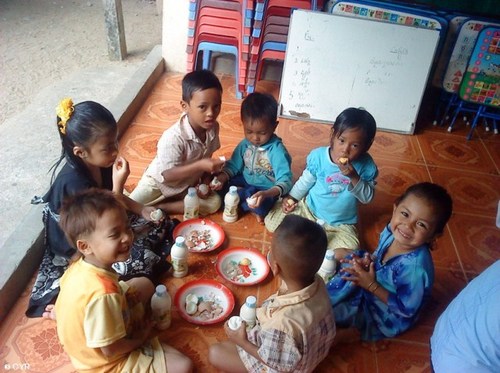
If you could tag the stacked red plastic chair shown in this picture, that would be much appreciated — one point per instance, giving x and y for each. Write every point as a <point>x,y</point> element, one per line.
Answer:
<point>220,26</point>
<point>270,33</point>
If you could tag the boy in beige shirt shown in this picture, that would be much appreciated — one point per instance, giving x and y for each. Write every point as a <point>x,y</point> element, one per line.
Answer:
<point>184,150</point>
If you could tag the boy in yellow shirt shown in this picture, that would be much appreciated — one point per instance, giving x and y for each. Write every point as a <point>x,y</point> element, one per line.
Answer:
<point>100,321</point>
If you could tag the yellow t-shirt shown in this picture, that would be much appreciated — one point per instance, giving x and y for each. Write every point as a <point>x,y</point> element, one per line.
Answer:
<point>93,311</point>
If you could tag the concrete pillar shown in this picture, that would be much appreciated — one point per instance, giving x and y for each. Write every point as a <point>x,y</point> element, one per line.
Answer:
<point>159,7</point>
<point>115,29</point>
<point>174,34</point>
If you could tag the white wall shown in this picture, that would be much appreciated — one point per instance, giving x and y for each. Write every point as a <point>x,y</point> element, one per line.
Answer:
<point>174,34</point>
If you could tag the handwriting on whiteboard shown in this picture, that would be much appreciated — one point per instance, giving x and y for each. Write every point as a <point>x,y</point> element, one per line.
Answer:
<point>301,73</point>
<point>333,62</point>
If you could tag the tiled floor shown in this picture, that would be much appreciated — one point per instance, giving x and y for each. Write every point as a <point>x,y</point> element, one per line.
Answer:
<point>469,170</point>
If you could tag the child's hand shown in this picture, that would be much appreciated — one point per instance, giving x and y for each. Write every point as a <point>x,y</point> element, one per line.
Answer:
<point>288,205</point>
<point>121,171</point>
<point>203,191</point>
<point>222,178</point>
<point>121,167</point>
<point>211,165</point>
<point>146,213</point>
<point>216,184</point>
<point>364,260</point>
<point>236,336</point>
<point>346,168</point>
<point>256,199</point>
<point>145,331</point>
<point>358,275</point>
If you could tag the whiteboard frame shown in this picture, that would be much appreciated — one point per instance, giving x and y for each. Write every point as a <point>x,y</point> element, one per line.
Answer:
<point>381,106</point>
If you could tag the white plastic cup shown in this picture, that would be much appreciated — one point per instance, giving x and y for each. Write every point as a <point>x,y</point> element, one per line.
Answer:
<point>251,201</point>
<point>234,322</point>
<point>203,188</point>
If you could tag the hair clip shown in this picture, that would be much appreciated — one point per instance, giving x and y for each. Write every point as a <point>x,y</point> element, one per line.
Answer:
<point>64,111</point>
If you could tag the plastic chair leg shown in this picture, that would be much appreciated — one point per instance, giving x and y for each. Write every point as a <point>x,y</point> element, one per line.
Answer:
<point>207,48</point>
<point>451,102</point>
<point>486,125</point>
<point>440,104</point>
<point>455,115</point>
<point>206,59</point>
<point>479,112</point>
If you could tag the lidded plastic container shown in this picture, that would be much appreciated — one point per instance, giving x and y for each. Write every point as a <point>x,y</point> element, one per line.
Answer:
<point>179,254</point>
<point>161,307</point>
<point>231,202</point>
<point>248,311</point>
<point>191,204</point>
<point>328,267</point>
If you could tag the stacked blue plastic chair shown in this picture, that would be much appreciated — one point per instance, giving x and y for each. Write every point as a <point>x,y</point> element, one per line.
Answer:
<point>222,26</point>
<point>270,33</point>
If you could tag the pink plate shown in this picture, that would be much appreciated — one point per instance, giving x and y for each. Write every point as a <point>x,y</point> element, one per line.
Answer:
<point>242,266</point>
<point>202,235</point>
<point>212,291</point>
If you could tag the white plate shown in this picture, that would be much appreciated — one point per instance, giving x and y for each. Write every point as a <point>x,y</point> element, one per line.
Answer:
<point>242,265</point>
<point>201,229</point>
<point>205,290</point>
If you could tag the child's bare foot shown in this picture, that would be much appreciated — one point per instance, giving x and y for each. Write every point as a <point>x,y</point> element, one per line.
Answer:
<point>50,312</point>
<point>259,218</point>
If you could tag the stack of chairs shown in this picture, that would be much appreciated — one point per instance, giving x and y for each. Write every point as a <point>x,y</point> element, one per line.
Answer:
<point>251,30</point>
<point>270,33</point>
<point>220,26</point>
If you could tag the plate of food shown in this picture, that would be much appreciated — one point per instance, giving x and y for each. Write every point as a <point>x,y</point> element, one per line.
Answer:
<point>242,266</point>
<point>202,235</point>
<point>204,302</point>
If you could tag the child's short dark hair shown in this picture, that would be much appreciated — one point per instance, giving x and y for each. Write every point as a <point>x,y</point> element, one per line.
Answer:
<point>199,80</point>
<point>437,196</point>
<point>79,213</point>
<point>354,118</point>
<point>302,246</point>
<point>259,106</point>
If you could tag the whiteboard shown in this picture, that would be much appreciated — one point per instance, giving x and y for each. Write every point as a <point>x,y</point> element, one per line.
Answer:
<point>334,62</point>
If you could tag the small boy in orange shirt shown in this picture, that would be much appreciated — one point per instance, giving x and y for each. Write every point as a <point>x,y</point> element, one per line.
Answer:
<point>100,321</point>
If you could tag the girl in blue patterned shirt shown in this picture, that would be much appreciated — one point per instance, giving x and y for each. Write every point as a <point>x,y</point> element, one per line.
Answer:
<point>382,295</point>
